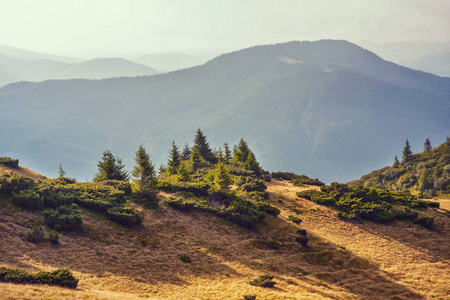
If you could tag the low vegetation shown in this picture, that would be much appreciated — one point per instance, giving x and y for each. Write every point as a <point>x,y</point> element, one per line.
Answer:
<point>60,277</point>
<point>425,174</point>
<point>378,205</point>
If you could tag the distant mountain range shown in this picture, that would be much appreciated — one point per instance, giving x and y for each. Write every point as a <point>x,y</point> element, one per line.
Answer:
<point>23,65</point>
<point>168,62</point>
<point>14,69</point>
<point>327,109</point>
<point>432,57</point>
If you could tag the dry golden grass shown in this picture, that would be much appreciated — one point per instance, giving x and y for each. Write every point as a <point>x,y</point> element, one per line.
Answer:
<point>22,171</point>
<point>345,260</point>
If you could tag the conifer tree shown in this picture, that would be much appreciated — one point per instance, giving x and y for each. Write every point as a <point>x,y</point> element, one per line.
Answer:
<point>110,168</point>
<point>396,162</point>
<point>241,151</point>
<point>203,147</point>
<point>183,173</point>
<point>227,153</point>
<point>144,171</point>
<point>252,164</point>
<point>61,172</point>
<point>186,153</point>
<point>219,155</point>
<point>406,152</point>
<point>427,145</point>
<point>195,159</point>
<point>222,178</point>
<point>174,160</point>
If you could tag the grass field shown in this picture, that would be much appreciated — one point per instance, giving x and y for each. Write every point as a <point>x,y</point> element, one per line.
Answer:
<point>343,260</point>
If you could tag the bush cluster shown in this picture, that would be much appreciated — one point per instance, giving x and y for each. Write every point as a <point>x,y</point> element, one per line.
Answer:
<point>60,277</point>
<point>296,179</point>
<point>9,162</point>
<point>63,218</point>
<point>263,280</point>
<point>359,202</point>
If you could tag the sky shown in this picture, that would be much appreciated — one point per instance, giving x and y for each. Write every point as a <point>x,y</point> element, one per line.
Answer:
<point>113,27</point>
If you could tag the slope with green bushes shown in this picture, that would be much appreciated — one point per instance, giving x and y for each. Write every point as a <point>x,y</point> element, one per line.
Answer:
<point>424,174</point>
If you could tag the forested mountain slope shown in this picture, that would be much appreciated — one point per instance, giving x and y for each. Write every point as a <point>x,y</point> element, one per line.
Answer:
<point>329,109</point>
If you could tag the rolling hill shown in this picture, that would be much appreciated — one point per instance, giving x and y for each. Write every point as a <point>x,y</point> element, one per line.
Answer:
<point>100,68</point>
<point>343,260</point>
<point>328,109</point>
<point>426,173</point>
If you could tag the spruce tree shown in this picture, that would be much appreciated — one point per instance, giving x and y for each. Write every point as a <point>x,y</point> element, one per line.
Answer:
<point>219,155</point>
<point>241,151</point>
<point>202,145</point>
<point>427,145</point>
<point>227,153</point>
<point>195,159</point>
<point>144,171</point>
<point>406,152</point>
<point>183,173</point>
<point>186,153</point>
<point>61,172</point>
<point>222,178</point>
<point>110,168</point>
<point>396,162</point>
<point>174,160</point>
<point>252,164</point>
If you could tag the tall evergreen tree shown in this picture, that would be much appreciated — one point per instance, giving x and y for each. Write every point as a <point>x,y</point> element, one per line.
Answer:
<point>219,155</point>
<point>183,173</point>
<point>241,151</point>
<point>144,174</point>
<point>195,159</point>
<point>174,159</point>
<point>252,164</point>
<point>110,168</point>
<point>427,145</point>
<point>396,162</point>
<point>406,152</point>
<point>186,153</point>
<point>227,153</point>
<point>222,178</point>
<point>202,145</point>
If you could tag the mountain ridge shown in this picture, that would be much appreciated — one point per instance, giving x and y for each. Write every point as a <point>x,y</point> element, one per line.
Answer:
<point>290,112</point>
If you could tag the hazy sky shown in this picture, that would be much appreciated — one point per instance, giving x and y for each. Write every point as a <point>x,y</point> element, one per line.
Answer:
<point>108,27</point>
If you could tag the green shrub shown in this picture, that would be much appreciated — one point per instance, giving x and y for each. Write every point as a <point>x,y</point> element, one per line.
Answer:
<point>252,184</point>
<point>9,162</point>
<point>180,204</point>
<point>302,240</point>
<point>185,258</point>
<point>405,214</point>
<point>307,194</point>
<point>124,215</point>
<point>264,281</point>
<point>249,297</point>
<point>269,209</point>
<point>15,183</point>
<point>426,222</point>
<point>294,219</point>
<point>123,186</point>
<point>165,186</point>
<point>65,218</point>
<point>28,199</point>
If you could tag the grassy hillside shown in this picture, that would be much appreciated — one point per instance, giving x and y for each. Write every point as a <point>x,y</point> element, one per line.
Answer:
<point>426,174</point>
<point>342,260</point>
